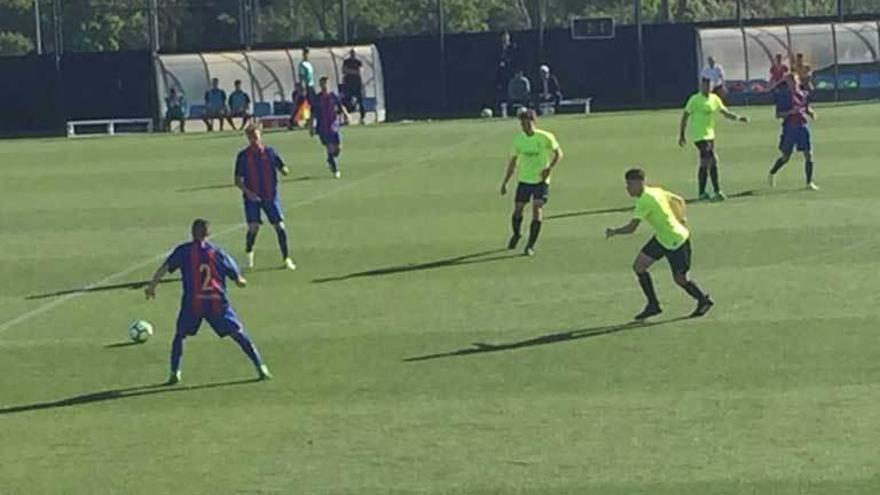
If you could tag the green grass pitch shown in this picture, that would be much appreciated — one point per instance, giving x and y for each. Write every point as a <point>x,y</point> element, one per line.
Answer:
<point>529,385</point>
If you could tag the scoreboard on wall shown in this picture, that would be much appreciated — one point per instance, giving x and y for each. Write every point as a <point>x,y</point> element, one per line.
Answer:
<point>591,28</point>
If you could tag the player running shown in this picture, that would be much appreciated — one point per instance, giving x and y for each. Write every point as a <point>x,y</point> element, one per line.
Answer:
<point>665,213</point>
<point>536,152</point>
<point>256,174</point>
<point>326,108</point>
<point>701,109</point>
<point>793,107</point>
<point>204,269</point>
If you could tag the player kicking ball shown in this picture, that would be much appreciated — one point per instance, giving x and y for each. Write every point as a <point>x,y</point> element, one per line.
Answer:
<point>536,153</point>
<point>256,174</point>
<point>793,107</point>
<point>204,269</point>
<point>664,211</point>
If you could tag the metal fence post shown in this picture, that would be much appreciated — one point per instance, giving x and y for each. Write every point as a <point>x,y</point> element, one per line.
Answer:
<point>343,13</point>
<point>836,62</point>
<point>153,26</point>
<point>38,32</point>
<point>640,51</point>
<point>441,29</point>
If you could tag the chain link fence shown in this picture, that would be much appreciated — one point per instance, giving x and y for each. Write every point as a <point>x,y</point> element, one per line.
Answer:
<point>50,26</point>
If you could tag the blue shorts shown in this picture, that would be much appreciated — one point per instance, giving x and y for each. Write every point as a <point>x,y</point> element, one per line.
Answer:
<point>795,137</point>
<point>273,210</point>
<point>328,138</point>
<point>224,323</point>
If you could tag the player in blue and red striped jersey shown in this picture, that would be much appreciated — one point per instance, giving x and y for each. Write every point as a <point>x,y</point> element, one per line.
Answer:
<point>256,174</point>
<point>204,269</point>
<point>793,106</point>
<point>326,108</point>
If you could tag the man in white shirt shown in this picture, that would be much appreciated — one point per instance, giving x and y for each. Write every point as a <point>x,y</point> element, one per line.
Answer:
<point>715,74</point>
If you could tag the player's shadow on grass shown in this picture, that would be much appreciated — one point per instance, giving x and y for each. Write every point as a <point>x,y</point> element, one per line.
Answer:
<point>465,259</point>
<point>626,209</point>
<point>100,288</point>
<point>120,393</point>
<point>552,338</point>
<point>233,186</point>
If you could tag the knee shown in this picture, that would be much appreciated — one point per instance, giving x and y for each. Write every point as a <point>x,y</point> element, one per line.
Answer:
<point>253,228</point>
<point>638,269</point>
<point>680,279</point>
<point>785,157</point>
<point>279,227</point>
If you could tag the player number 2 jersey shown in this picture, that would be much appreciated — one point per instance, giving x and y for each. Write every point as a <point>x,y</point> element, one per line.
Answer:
<point>204,269</point>
<point>533,154</point>
<point>654,207</point>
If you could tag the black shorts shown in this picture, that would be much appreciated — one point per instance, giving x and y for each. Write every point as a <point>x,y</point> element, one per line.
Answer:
<point>679,259</point>
<point>527,192</point>
<point>706,147</point>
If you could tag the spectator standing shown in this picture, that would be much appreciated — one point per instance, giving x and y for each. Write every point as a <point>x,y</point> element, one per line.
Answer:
<point>804,72</point>
<point>306,72</point>
<point>508,65</point>
<point>714,72</point>
<point>353,85</point>
<point>547,87</point>
<point>215,105</point>
<point>175,110</point>
<point>239,106</point>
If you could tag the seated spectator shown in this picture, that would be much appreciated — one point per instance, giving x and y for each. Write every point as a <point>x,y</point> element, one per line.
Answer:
<point>215,105</point>
<point>519,89</point>
<point>175,110</point>
<point>239,106</point>
<point>547,88</point>
<point>778,71</point>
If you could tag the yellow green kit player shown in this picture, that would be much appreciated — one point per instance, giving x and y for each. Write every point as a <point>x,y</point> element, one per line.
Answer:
<point>665,213</point>
<point>536,153</point>
<point>701,110</point>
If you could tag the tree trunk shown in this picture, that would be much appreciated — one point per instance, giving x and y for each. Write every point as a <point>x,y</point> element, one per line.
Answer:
<point>663,13</point>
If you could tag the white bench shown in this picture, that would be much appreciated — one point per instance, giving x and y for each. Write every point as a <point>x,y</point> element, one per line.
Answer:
<point>109,124</point>
<point>577,103</point>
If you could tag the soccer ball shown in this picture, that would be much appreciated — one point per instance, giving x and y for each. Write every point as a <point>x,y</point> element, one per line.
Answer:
<point>140,331</point>
<point>486,113</point>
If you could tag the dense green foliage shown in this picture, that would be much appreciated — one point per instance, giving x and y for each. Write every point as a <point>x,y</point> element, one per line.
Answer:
<point>122,24</point>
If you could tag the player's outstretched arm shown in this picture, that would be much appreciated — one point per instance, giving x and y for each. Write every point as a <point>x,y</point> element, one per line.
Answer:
<point>625,230</point>
<point>150,291</point>
<point>682,128</point>
<point>732,116</point>
<point>511,167</point>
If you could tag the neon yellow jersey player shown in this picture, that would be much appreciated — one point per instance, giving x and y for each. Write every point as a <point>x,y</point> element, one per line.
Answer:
<point>701,110</point>
<point>665,213</point>
<point>536,153</point>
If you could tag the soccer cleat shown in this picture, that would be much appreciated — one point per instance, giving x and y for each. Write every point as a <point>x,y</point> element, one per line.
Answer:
<point>812,186</point>
<point>174,379</point>
<point>719,196</point>
<point>771,180</point>
<point>514,240</point>
<point>337,174</point>
<point>250,259</point>
<point>263,372</point>
<point>530,251</point>
<point>289,264</point>
<point>649,311</point>
<point>703,307</point>
<point>704,197</point>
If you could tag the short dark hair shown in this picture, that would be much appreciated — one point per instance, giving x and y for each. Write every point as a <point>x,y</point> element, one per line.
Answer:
<point>528,114</point>
<point>200,228</point>
<point>635,174</point>
<point>237,81</point>
<point>306,50</point>
<point>323,79</point>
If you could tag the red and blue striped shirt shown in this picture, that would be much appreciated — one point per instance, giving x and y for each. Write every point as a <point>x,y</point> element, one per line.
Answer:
<point>259,166</point>
<point>204,269</point>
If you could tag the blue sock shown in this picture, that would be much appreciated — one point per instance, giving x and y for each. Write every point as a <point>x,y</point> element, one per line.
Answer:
<point>176,352</point>
<point>244,341</point>
<point>282,241</point>
<point>250,239</point>
<point>331,160</point>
